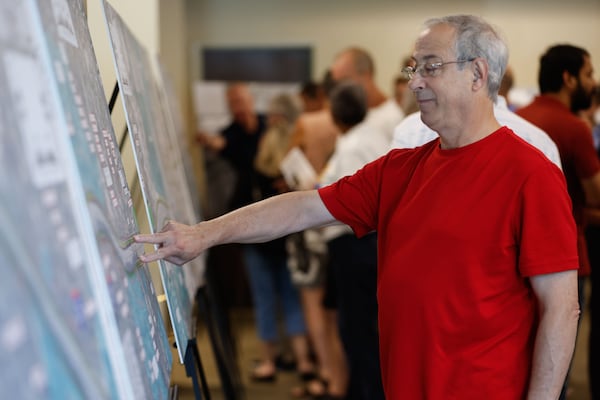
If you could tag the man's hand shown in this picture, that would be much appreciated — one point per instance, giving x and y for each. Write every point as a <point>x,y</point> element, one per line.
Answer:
<point>211,141</point>
<point>177,243</point>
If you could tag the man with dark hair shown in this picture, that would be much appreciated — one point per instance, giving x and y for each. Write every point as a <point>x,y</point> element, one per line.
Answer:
<point>313,96</point>
<point>566,86</point>
<point>348,105</point>
<point>576,63</point>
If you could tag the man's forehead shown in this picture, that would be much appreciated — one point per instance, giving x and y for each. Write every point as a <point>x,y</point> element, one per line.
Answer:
<point>342,66</point>
<point>435,42</point>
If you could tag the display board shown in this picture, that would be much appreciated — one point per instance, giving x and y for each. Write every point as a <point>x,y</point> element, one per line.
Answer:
<point>177,183</point>
<point>132,296</point>
<point>79,317</point>
<point>175,111</point>
<point>55,342</point>
<point>137,87</point>
<point>49,326</point>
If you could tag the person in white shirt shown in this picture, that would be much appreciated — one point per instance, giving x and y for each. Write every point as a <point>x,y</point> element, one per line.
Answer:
<point>352,261</point>
<point>412,132</point>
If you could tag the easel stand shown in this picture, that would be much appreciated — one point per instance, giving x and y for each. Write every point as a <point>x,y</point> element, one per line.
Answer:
<point>194,369</point>
<point>222,345</point>
<point>111,106</point>
<point>174,392</point>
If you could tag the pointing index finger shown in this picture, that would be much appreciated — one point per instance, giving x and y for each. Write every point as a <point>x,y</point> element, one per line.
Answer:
<point>150,257</point>
<point>156,238</point>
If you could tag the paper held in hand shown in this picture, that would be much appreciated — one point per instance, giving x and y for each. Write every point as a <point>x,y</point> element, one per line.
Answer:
<point>297,171</point>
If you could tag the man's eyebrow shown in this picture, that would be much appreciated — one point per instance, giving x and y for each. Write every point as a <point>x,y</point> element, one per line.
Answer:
<point>427,58</point>
<point>431,57</point>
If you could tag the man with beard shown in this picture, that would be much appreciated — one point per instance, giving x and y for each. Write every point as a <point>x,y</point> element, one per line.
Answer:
<point>566,85</point>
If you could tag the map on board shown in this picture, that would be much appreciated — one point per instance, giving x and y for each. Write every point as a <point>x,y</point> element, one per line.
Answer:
<point>174,110</point>
<point>136,83</point>
<point>52,76</point>
<point>178,183</point>
<point>54,343</point>
<point>133,298</point>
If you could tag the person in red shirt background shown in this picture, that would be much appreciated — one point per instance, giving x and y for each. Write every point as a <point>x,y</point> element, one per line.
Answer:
<point>566,87</point>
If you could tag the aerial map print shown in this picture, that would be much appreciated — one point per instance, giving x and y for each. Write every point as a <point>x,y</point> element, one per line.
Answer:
<point>80,317</point>
<point>144,120</point>
<point>53,341</point>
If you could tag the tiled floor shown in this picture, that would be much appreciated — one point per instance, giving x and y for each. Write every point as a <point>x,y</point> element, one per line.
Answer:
<point>247,348</point>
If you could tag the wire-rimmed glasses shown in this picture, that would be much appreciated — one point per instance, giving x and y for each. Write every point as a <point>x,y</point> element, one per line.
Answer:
<point>429,68</point>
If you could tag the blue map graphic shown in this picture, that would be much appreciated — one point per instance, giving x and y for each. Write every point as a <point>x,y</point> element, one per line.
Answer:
<point>132,296</point>
<point>79,316</point>
<point>53,341</point>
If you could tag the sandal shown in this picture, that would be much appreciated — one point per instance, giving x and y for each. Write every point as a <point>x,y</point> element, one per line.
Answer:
<point>310,382</point>
<point>261,377</point>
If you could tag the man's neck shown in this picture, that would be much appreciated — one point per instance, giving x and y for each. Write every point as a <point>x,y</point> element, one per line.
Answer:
<point>479,126</point>
<point>561,96</point>
<point>249,123</point>
<point>375,97</point>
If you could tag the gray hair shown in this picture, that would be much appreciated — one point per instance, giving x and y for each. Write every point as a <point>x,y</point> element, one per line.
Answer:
<point>286,105</point>
<point>477,38</point>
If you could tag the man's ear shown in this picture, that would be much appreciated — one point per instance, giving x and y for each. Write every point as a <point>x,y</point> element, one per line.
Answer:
<point>569,81</point>
<point>480,72</point>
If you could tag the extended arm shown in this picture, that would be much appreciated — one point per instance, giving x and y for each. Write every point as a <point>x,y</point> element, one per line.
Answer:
<point>555,338</point>
<point>259,222</point>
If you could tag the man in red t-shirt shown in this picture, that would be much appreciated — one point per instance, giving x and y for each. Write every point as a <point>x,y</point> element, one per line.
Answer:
<point>566,86</point>
<point>477,247</point>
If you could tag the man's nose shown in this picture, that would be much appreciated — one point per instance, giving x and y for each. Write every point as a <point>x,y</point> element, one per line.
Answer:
<point>416,82</point>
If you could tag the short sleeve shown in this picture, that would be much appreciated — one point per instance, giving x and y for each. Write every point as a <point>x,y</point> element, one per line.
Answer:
<point>548,236</point>
<point>354,200</point>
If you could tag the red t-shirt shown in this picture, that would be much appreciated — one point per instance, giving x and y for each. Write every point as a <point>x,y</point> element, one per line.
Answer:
<point>460,231</point>
<point>577,155</point>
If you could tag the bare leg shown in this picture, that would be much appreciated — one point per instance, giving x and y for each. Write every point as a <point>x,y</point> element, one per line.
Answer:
<point>338,378</point>
<point>323,331</point>
<point>300,348</point>
<point>266,368</point>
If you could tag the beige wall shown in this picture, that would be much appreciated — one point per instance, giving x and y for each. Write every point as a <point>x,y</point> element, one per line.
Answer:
<point>141,16</point>
<point>389,27</point>
<point>174,54</point>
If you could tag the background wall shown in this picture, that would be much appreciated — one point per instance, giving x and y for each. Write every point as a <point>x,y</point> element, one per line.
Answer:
<point>388,28</point>
<point>174,54</point>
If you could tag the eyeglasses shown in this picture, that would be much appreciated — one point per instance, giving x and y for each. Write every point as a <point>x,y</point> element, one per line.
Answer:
<point>429,68</point>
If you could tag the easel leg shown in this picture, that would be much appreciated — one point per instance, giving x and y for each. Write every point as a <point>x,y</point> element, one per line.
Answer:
<point>222,348</point>
<point>194,369</point>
